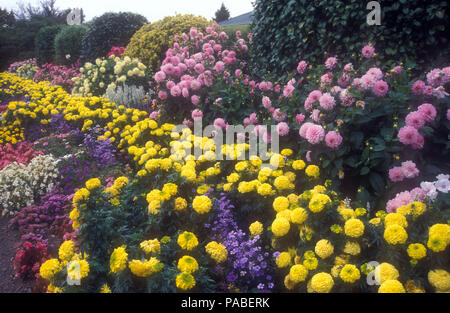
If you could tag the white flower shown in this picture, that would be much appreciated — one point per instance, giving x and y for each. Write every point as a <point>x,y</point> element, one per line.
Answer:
<point>443,185</point>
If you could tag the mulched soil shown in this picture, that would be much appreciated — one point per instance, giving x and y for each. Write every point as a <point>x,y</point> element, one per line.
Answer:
<point>9,239</point>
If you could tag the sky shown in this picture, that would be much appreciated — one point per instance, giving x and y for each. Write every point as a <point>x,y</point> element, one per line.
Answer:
<point>153,10</point>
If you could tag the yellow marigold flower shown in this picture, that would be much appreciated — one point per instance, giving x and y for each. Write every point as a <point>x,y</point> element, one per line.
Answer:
<point>324,248</point>
<point>335,270</point>
<point>395,219</point>
<point>349,273</point>
<point>283,183</point>
<point>241,166</point>
<point>298,273</point>
<point>118,260</point>
<point>322,283</point>
<point>202,204</point>
<point>293,198</point>
<point>49,268</point>
<point>298,165</point>
<point>417,208</point>
<point>53,289</point>
<point>417,251</point>
<point>93,183</point>
<point>436,244</point>
<point>283,260</point>
<point>153,207</point>
<point>280,204</point>
<point>217,251</point>
<point>439,279</point>
<point>347,214</point>
<point>312,171</point>
<point>354,228</point>
<point>441,231</point>
<point>187,241</point>
<point>286,152</point>
<point>360,211</point>
<point>105,289</point>
<point>391,286</point>
<point>170,189</point>
<point>318,202</point>
<point>280,227</point>
<point>352,248</point>
<point>384,272</point>
<point>337,229</point>
<point>187,264</point>
<point>78,269</point>
<point>375,221</point>
<point>180,204</point>
<point>404,210</point>
<point>319,189</point>
<point>145,268</point>
<point>151,246</point>
<point>185,281</point>
<point>288,283</point>
<point>256,228</point>
<point>66,250</point>
<point>299,215</point>
<point>265,190</point>
<point>233,178</point>
<point>80,195</point>
<point>311,263</point>
<point>277,161</point>
<point>395,234</point>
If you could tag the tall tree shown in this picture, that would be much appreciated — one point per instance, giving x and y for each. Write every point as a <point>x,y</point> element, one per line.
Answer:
<point>7,19</point>
<point>222,14</point>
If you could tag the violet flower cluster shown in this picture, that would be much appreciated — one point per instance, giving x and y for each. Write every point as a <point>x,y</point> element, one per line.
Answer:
<point>102,151</point>
<point>247,267</point>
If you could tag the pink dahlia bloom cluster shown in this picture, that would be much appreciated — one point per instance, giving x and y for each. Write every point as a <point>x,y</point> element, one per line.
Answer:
<point>313,98</point>
<point>333,139</point>
<point>301,67</point>
<point>409,134</point>
<point>368,51</point>
<point>427,190</point>
<point>436,80</point>
<point>407,170</point>
<point>331,63</point>
<point>312,132</point>
<point>372,80</point>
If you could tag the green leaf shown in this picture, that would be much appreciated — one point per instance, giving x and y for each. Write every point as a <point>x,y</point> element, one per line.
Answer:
<point>364,171</point>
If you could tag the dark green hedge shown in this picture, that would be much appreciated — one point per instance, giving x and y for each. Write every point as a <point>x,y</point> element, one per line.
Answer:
<point>68,42</point>
<point>44,46</point>
<point>108,30</point>
<point>286,31</point>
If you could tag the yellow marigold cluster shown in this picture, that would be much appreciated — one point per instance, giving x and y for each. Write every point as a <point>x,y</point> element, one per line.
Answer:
<point>145,268</point>
<point>280,204</point>
<point>298,273</point>
<point>352,248</point>
<point>438,237</point>
<point>217,251</point>
<point>180,204</point>
<point>299,216</point>
<point>322,283</point>
<point>354,228</point>
<point>93,183</point>
<point>202,204</point>
<point>298,165</point>
<point>440,279</point>
<point>151,246</point>
<point>318,202</point>
<point>280,226</point>
<point>395,219</point>
<point>313,171</point>
<point>384,272</point>
<point>185,281</point>
<point>417,251</point>
<point>391,286</point>
<point>395,234</point>
<point>349,273</point>
<point>66,250</point>
<point>78,269</point>
<point>118,260</point>
<point>49,268</point>
<point>187,241</point>
<point>256,228</point>
<point>283,260</point>
<point>187,264</point>
<point>324,248</point>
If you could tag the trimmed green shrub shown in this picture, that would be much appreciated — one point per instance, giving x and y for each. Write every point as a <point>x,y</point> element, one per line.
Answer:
<point>44,47</point>
<point>150,43</point>
<point>68,42</point>
<point>287,31</point>
<point>108,30</point>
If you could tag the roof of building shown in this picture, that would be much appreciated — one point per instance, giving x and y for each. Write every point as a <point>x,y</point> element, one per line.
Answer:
<point>246,18</point>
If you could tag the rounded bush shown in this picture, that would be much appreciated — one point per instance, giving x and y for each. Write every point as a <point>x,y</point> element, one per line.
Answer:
<point>44,44</point>
<point>108,30</point>
<point>68,42</point>
<point>287,31</point>
<point>150,42</point>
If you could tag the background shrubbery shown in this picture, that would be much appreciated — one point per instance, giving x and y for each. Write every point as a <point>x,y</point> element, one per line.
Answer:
<point>288,30</point>
<point>68,42</point>
<point>150,42</point>
<point>44,44</point>
<point>108,30</point>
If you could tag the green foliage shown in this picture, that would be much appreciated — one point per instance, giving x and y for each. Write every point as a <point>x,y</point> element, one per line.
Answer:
<point>108,30</point>
<point>17,39</point>
<point>44,44</point>
<point>69,42</point>
<point>289,30</point>
<point>231,30</point>
<point>222,14</point>
<point>150,42</point>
